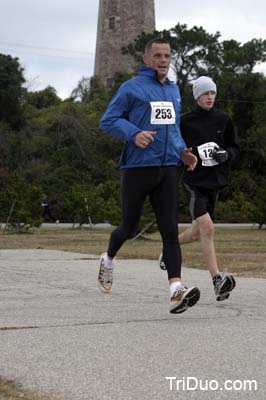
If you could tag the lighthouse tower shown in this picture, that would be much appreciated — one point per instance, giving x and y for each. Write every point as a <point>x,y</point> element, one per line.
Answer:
<point>119,23</point>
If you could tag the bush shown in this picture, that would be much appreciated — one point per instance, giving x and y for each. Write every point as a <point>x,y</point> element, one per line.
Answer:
<point>239,209</point>
<point>20,204</point>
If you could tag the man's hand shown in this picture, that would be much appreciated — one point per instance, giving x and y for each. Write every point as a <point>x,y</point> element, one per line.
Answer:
<point>189,159</point>
<point>220,155</point>
<point>143,138</point>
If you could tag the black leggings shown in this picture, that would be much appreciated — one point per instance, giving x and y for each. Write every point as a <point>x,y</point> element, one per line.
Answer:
<point>161,185</point>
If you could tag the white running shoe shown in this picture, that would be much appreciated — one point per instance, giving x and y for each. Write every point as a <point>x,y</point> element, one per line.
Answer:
<point>105,277</point>
<point>183,298</point>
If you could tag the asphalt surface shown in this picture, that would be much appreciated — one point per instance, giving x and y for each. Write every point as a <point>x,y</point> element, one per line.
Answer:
<point>59,334</point>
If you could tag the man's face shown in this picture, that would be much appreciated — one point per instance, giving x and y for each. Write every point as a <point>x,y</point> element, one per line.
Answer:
<point>206,100</point>
<point>159,58</point>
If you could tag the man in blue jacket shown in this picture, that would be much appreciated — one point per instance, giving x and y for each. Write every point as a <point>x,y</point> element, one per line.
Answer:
<point>145,114</point>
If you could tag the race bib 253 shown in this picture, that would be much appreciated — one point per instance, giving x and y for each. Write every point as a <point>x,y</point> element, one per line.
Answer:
<point>162,113</point>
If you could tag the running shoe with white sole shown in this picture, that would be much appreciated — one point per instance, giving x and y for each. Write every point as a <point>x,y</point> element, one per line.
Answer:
<point>223,285</point>
<point>183,298</point>
<point>105,277</point>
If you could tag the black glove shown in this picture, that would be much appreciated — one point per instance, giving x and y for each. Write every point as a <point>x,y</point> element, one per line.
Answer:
<point>220,155</point>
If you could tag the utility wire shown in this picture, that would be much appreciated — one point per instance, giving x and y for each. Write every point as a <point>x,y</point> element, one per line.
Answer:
<point>217,100</point>
<point>86,54</point>
<point>240,101</point>
<point>30,46</point>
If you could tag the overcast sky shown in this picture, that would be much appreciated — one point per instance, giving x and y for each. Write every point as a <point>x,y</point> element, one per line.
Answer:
<point>55,39</point>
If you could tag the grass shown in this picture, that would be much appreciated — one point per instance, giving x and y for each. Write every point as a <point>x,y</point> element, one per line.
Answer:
<point>9,390</point>
<point>239,250</point>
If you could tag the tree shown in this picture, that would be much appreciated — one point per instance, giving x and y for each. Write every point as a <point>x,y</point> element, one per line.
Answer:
<point>93,91</point>
<point>19,202</point>
<point>58,148</point>
<point>11,91</point>
<point>43,98</point>
<point>259,212</point>
<point>194,51</point>
<point>82,91</point>
<point>243,96</point>
<point>239,57</point>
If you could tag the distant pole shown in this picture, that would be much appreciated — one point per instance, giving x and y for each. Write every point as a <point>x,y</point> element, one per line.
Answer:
<point>87,210</point>
<point>9,215</point>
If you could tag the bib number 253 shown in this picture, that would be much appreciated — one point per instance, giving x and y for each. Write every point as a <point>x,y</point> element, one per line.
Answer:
<point>162,112</point>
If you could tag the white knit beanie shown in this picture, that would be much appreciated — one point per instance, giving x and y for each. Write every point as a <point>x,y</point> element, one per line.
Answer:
<point>202,85</point>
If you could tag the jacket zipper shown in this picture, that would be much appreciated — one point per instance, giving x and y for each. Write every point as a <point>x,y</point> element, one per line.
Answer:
<point>166,131</point>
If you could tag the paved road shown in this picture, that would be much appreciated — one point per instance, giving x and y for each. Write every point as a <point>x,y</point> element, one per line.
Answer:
<point>61,335</point>
<point>104,225</point>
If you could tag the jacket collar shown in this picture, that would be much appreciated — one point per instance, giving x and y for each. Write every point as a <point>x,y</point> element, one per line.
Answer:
<point>151,73</point>
<point>201,111</point>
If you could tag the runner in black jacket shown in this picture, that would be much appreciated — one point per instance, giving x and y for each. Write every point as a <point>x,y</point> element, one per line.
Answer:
<point>206,131</point>
<point>212,136</point>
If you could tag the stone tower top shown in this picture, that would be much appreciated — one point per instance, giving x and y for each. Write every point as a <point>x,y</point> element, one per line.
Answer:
<point>119,23</point>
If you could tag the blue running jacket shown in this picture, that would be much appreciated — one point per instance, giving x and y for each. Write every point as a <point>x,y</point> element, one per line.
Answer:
<point>143,104</point>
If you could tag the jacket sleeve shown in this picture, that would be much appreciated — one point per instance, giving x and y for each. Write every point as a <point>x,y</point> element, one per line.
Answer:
<point>115,119</point>
<point>230,141</point>
<point>181,128</point>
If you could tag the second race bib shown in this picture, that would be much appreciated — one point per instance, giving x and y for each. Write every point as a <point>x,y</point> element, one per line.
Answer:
<point>206,153</point>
